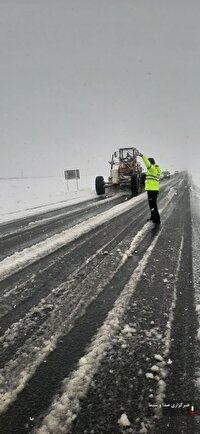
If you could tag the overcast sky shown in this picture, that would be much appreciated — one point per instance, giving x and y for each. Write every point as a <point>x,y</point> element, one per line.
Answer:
<point>81,78</point>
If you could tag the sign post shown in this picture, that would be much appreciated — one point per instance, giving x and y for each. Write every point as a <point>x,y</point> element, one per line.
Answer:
<point>72,174</point>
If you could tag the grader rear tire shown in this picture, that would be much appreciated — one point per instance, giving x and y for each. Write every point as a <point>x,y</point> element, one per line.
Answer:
<point>134,184</point>
<point>100,185</point>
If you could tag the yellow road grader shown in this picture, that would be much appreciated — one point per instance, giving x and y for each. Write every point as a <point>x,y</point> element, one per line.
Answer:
<point>125,173</point>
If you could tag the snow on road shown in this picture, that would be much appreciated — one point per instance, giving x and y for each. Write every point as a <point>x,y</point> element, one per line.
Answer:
<point>65,407</point>
<point>16,374</point>
<point>48,342</point>
<point>195,208</point>
<point>23,197</point>
<point>19,260</point>
<point>42,328</point>
<point>82,205</point>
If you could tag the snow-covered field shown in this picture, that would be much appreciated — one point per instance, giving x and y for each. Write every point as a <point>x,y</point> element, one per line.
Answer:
<point>26,196</point>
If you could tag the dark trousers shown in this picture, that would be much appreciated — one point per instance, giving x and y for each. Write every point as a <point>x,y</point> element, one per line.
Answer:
<point>152,199</point>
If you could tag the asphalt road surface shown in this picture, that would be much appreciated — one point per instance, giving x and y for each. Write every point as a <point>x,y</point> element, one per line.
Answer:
<point>99,335</point>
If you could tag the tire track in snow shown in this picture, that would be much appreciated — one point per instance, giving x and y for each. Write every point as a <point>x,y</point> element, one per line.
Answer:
<point>22,225</point>
<point>27,360</point>
<point>9,288</point>
<point>145,332</point>
<point>65,296</point>
<point>195,208</point>
<point>39,230</point>
<point>49,344</point>
<point>25,375</point>
<point>27,256</point>
<point>50,208</point>
<point>180,382</point>
<point>24,351</point>
<point>65,406</point>
<point>137,360</point>
<point>44,312</point>
<point>58,267</point>
<point>65,345</point>
<point>13,227</point>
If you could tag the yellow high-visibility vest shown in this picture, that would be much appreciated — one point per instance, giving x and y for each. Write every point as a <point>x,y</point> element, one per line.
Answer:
<point>152,175</point>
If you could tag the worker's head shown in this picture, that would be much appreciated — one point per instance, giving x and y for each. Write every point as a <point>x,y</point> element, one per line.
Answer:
<point>152,161</point>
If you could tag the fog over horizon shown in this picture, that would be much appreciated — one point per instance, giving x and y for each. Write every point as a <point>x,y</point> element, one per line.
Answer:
<point>79,79</point>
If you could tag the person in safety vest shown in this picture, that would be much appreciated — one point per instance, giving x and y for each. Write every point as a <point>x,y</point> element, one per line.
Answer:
<point>152,186</point>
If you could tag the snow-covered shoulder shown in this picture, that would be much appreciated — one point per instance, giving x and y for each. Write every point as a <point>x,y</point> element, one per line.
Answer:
<point>23,197</point>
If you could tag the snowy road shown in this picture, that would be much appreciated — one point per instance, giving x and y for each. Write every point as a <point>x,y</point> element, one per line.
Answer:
<point>25,232</point>
<point>99,331</point>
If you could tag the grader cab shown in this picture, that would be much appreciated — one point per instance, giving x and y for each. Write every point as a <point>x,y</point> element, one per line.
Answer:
<point>125,173</point>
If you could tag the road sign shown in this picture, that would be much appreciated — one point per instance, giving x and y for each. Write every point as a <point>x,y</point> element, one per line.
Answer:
<point>72,174</point>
